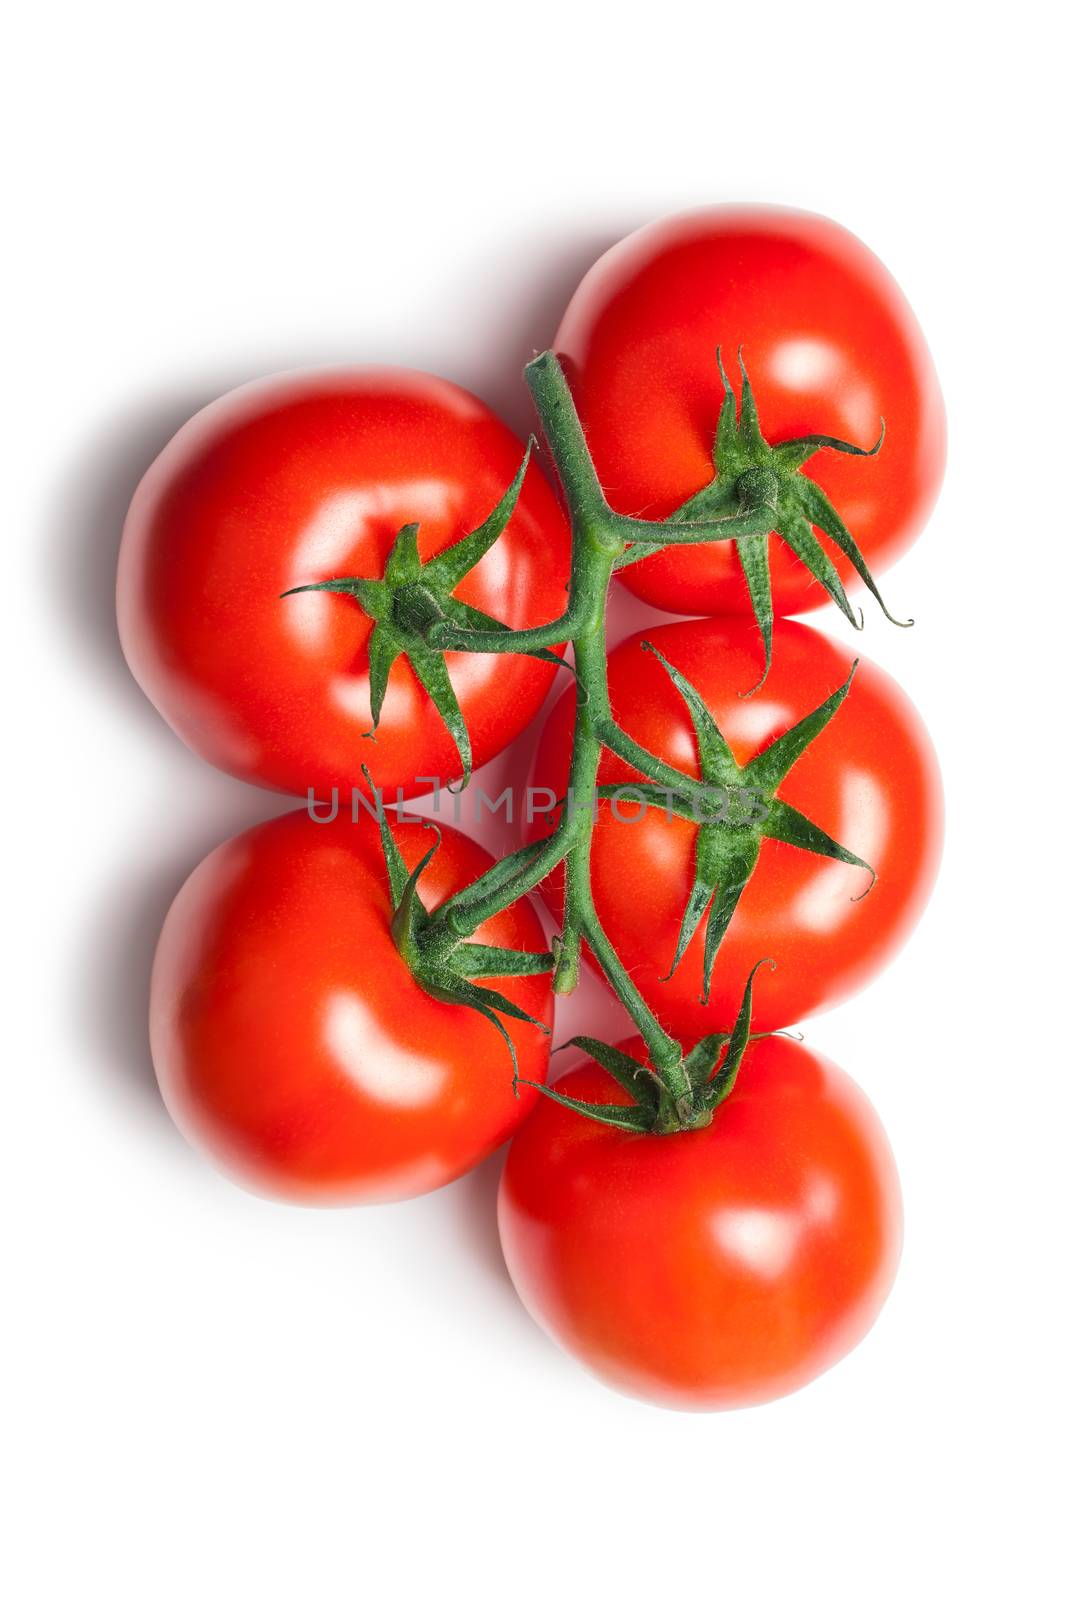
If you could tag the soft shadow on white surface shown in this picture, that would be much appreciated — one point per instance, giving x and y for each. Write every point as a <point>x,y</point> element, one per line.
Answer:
<point>522,292</point>
<point>195,808</point>
<point>473,1203</point>
<point>110,998</point>
<point>90,507</point>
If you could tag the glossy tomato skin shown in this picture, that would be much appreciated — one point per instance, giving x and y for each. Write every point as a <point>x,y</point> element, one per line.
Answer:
<point>712,1269</point>
<point>831,346</point>
<point>291,1042</point>
<point>302,478</point>
<point>870,780</point>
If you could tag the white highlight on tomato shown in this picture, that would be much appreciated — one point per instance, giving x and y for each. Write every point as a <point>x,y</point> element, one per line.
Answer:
<point>760,1239</point>
<point>352,694</point>
<point>756,723</point>
<point>808,365</point>
<point>804,364</point>
<point>392,1075</point>
<point>763,1239</point>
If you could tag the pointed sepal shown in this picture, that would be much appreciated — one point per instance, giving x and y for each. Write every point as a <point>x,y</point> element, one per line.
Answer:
<point>409,918</point>
<point>447,569</point>
<point>639,1081</point>
<point>627,1118</point>
<point>816,505</point>
<point>430,669</point>
<point>785,823</point>
<point>754,555</point>
<point>396,871</point>
<point>498,961</point>
<point>720,1085</point>
<point>767,770</point>
<point>717,764</point>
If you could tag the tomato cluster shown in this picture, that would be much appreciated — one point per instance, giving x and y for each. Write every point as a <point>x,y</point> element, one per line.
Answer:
<point>357,583</point>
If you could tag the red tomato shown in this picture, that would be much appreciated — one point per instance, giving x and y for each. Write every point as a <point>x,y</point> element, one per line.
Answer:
<point>308,477</point>
<point>869,780</point>
<point>831,347</point>
<point>709,1269</point>
<point>291,1041</point>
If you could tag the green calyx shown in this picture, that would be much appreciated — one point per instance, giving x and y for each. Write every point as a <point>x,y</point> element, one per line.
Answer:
<point>735,808</point>
<point>700,1082</point>
<point>442,965</point>
<point>411,598</point>
<point>749,472</point>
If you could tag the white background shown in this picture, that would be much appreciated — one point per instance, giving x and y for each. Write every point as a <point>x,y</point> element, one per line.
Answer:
<point>214,1396</point>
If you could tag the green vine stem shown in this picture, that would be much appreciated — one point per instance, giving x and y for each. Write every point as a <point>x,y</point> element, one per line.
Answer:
<point>599,538</point>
